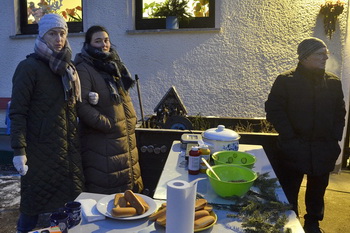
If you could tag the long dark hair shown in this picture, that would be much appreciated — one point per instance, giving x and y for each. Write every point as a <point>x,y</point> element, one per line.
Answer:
<point>92,30</point>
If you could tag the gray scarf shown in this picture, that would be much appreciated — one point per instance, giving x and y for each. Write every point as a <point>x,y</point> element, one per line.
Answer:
<point>60,63</point>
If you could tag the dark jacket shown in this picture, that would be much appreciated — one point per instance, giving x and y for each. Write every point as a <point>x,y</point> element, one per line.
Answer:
<point>44,128</point>
<point>307,110</point>
<point>109,152</point>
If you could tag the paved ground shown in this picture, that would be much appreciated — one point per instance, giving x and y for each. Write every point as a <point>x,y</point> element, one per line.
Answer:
<point>337,217</point>
<point>337,204</point>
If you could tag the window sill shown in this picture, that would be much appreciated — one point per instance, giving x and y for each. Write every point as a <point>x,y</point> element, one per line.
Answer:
<point>173,31</point>
<point>23,36</point>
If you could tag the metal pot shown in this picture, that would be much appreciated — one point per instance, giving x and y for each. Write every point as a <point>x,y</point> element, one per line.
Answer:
<point>220,139</point>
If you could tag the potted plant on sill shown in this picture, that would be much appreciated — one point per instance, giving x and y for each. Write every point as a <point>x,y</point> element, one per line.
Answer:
<point>174,11</point>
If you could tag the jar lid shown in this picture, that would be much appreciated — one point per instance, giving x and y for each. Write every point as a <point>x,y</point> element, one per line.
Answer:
<point>220,134</point>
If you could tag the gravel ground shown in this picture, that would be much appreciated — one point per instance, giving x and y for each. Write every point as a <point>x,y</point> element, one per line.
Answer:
<point>10,199</point>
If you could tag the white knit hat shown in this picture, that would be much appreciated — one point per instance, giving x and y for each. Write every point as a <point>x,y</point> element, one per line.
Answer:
<point>50,21</point>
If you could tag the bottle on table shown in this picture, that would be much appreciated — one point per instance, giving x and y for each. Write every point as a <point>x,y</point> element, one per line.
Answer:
<point>194,161</point>
<point>205,153</point>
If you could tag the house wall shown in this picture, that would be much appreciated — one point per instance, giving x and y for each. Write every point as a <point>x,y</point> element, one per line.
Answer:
<point>226,72</point>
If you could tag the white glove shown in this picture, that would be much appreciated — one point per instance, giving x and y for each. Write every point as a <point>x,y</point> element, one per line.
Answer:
<point>93,98</point>
<point>19,162</point>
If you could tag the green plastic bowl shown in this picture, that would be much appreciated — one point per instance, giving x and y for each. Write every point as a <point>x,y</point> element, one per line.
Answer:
<point>234,157</point>
<point>235,180</point>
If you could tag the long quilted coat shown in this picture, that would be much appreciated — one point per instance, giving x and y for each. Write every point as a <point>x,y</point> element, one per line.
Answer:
<point>44,128</point>
<point>308,112</point>
<point>109,152</point>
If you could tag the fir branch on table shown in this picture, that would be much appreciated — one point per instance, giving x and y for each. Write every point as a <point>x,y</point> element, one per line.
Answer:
<point>261,217</point>
<point>267,186</point>
<point>260,211</point>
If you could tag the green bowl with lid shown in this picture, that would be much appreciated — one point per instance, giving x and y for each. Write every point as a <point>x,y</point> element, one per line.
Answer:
<point>234,157</point>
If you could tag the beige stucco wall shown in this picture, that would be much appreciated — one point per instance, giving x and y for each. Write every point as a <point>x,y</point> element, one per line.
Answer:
<point>222,73</point>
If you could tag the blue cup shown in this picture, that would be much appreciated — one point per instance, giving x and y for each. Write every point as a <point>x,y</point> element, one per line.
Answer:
<point>60,219</point>
<point>73,209</point>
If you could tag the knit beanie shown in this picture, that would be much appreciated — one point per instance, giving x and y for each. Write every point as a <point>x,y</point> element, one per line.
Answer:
<point>309,46</point>
<point>50,21</point>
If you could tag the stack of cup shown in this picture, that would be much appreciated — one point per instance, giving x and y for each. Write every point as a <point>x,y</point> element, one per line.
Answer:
<point>67,217</point>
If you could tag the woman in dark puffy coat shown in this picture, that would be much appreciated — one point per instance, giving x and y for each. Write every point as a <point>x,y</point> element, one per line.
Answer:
<point>107,118</point>
<point>44,127</point>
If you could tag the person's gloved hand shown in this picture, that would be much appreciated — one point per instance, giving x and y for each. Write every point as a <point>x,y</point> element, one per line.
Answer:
<point>19,162</point>
<point>93,98</point>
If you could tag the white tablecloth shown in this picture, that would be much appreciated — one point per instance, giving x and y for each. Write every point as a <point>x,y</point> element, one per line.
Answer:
<point>175,168</point>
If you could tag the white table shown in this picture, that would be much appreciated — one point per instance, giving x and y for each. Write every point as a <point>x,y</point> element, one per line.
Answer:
<point>175,169</point>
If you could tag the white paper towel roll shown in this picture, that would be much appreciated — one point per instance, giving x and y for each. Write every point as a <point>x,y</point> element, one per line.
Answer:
<point>181,198</point>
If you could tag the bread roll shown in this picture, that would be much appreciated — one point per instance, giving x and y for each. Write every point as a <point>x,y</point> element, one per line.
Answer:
<point>123,211</point>
<point>200,203</point>
<point>200,213</point>
<point>161,212</point>
<point>134,201</point>
<point>122,202</point>
<point>116,198</point>
<point>203,222</point>
<point>208,208</point>
<point>143,202</point>
<point>162,220</point>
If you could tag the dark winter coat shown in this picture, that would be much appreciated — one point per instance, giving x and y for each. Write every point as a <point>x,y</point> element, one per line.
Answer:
<point>109,152</point>
<point>44,128</point>
<point>307,110</point>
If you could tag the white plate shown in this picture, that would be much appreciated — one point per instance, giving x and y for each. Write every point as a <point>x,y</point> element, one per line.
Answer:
<point>106,204</point>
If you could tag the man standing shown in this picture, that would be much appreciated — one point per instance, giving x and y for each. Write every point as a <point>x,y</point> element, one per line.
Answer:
<point>307,109</point>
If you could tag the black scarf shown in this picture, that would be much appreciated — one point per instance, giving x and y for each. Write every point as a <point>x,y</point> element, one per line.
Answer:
<point>317,76</point>
<point>118,76</point>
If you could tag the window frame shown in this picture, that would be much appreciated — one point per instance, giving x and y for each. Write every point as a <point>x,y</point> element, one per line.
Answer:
<point>27,29</point>
<point>159,23</point>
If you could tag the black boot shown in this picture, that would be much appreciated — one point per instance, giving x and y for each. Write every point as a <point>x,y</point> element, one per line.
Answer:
<point>312,226</point>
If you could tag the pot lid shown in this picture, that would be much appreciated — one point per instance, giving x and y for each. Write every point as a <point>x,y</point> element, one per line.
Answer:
<point>220,134</point>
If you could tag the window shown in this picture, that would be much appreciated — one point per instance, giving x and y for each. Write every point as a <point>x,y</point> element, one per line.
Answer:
<point>142,22</point>
<point>32,10</point>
